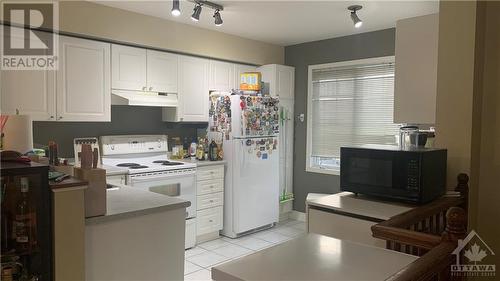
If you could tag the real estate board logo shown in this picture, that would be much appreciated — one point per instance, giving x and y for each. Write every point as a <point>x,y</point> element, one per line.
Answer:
<point>472,256</point>
<point>31,47</point>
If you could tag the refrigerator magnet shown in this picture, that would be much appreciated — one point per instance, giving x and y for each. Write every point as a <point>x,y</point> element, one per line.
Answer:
<point>259,154</point>
<point>264,156</point>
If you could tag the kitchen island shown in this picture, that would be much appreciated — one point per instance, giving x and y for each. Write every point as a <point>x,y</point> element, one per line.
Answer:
<point>315,257</point>
<point>141,237</point>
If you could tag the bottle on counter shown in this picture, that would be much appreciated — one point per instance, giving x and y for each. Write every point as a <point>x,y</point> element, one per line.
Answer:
<point>200,150</point>
<point>24,220</point>
<point>212,151</point>
<point>220,152</point>
<point>192,149</point>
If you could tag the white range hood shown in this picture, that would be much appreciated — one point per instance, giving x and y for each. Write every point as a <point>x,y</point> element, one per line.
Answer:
<point>138,98</point>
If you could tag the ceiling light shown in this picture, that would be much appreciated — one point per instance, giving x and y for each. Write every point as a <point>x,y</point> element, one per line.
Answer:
<point>196,12</point>
<point>355,19</point>
<point>218,18</point>
<point>176,11</point>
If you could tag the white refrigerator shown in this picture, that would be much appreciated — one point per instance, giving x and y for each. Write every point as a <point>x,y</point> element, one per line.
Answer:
<point>248,127</point>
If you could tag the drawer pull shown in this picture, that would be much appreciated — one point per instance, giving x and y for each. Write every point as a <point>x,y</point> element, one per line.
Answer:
<point>210,220</point>
<point>211,201</point>
<point>212,172</point>
<point>211,186</point>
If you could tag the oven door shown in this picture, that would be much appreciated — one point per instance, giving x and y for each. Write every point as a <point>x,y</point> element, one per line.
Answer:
<point>383,173</point>
<point>170,183</point>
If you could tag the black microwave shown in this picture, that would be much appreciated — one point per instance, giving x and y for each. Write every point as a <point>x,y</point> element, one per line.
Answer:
<point>415,176</point>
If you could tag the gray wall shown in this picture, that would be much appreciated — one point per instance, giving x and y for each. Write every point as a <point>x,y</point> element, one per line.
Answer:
<point>125,120</point>
<point>359,46</point>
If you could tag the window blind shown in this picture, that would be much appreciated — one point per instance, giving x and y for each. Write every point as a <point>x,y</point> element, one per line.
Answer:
<point>352,105</point>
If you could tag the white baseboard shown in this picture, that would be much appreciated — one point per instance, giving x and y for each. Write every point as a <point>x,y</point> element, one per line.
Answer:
<point>296,215</point>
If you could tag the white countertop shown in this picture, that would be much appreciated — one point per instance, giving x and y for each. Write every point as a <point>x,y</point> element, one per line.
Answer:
<point>315,257</point>
<point>124,201</point>
<point>204,162</point>
<point>347,202</point>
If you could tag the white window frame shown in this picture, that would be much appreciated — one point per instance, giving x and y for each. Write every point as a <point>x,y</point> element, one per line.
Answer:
<point>387,59</point>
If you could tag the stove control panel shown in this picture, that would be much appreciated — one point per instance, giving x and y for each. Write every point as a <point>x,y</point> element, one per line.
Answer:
<point>114,145</point>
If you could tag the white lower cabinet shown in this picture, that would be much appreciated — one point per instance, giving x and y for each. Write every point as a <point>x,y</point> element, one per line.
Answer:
<point>209,220</point>
<point>210,202</point>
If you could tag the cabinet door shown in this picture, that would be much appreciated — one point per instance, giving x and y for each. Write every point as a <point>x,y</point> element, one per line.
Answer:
<point>221,76</point>
<point>285,76</point>
<point>162,72</point>
<point>83,80</point>
<point>238,70</point>
<point>193,89</point>
<point>32,92</point>
<point>128,68</point>
<point>415,79</point>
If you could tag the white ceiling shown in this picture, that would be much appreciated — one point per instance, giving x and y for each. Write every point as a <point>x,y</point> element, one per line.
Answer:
<point>287,22</point>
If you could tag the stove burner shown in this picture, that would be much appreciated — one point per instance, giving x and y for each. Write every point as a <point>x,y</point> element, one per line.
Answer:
<point>161,161</point>
<point>167,163</point>
<point>128,165</point>
<point>138,167</point>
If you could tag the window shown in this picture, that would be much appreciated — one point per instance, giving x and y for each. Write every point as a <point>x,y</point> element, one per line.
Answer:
<point>349,103</point>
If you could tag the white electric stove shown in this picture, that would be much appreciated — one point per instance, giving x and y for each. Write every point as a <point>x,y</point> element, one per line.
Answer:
<point>148,168</point>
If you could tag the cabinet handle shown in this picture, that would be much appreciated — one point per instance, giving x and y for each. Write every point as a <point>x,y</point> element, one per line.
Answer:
<point>211,201</point>
<point>144,88</point>
<point>51,117</point>
<point>210,221</point>
<point>59,118</point>
<point>150,88</point>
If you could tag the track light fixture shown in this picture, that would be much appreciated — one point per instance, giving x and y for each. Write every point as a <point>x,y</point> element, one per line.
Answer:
<point>196,12</point>
<point>176,11</point>
<point>218,19</point>
<point>355,19</point>
<point>198,4</point>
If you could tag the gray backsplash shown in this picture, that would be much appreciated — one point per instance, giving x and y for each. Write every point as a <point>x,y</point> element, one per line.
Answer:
<point>125,120</point>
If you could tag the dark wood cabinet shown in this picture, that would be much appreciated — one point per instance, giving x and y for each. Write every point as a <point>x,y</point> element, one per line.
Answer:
<point>37,257</point>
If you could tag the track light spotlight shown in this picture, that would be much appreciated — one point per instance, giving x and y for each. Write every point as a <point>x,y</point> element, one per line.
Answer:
<point>176,11</point>
<point>355,19</point>
<point>218,18</point>
<point>196,12</point>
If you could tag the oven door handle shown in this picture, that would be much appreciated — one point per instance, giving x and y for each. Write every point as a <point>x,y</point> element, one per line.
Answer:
<point>149,178</point>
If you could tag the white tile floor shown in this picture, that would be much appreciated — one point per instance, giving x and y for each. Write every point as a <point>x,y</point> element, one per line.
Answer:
<point>200,259</point>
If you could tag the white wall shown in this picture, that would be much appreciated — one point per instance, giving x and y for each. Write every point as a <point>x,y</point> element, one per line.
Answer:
<point>106,22</point>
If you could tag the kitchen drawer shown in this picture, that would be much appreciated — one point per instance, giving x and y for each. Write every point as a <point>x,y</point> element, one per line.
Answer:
<point>210,186</point>
<point>210,200</point>
<point>210,173</point>
<point>209,220</point>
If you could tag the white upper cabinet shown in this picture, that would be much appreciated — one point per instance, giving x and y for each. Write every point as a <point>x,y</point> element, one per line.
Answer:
<point>193,91</point>
<point>83,80</point>
<point>415,82</point>
<point>279,79</point>
<point>221,76</point>
<point>238,70</point>
<point>128,68</point>
<point>32,92</point>
<point>162,71</point>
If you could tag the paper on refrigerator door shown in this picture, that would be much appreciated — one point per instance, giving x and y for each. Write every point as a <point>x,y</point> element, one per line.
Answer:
<point>262,148</point>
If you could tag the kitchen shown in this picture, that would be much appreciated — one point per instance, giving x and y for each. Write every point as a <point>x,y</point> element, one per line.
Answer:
<point>126,61</point>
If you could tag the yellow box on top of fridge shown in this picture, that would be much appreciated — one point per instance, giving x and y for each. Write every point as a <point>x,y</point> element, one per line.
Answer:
<point>250,81</point>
